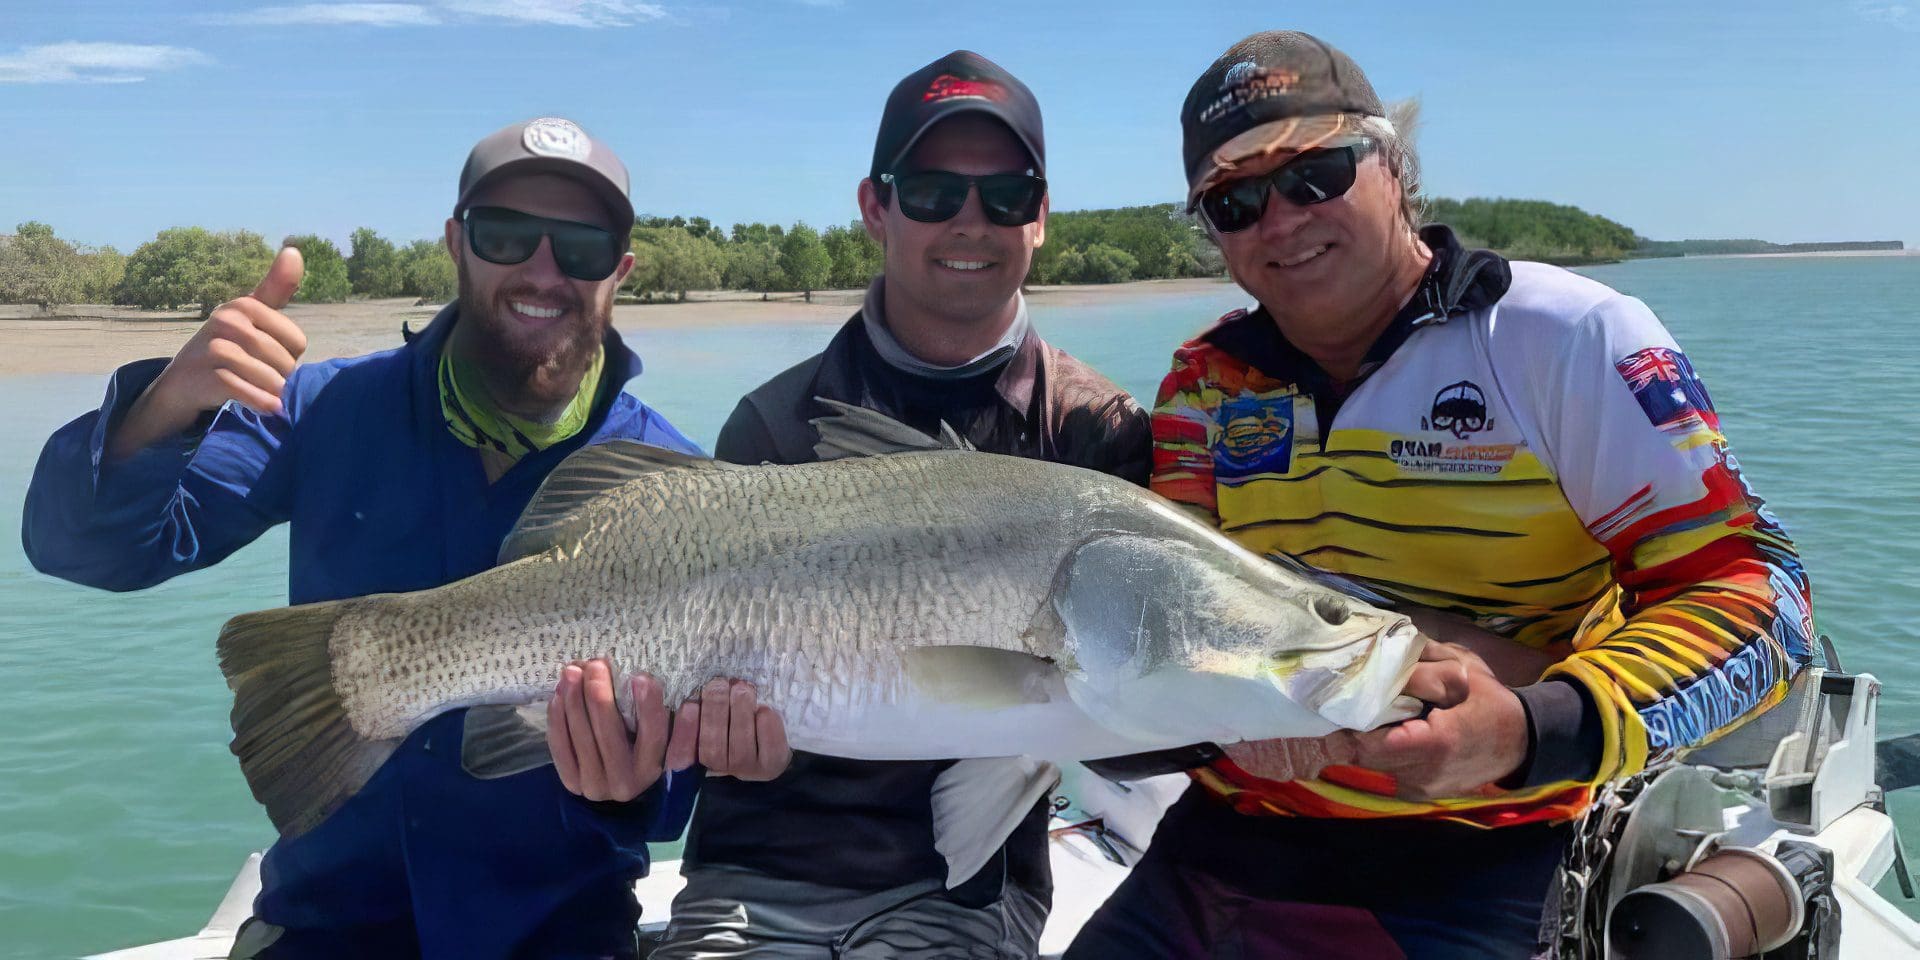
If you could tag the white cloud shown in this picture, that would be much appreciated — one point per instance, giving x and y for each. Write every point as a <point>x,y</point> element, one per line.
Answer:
<point>339,14</point>
<point>94,62</point>
<point>1902,15</point>
<point>563,13</point>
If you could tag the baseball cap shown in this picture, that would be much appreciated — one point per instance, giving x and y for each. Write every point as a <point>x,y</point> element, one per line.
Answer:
<point>959,82</point>
<point>548,145</point>
<point>1279,90</point>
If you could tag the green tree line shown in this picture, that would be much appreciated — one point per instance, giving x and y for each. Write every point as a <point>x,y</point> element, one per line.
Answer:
<point>1696,248</point>
<point>673,255</point>
<point>1535,230</point>
<point>676,254</point>
<point>197,268</point>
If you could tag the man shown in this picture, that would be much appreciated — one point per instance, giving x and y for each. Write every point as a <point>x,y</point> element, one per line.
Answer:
<point>399,471</point>
<point>1512,443</point>
<point>837,858</point>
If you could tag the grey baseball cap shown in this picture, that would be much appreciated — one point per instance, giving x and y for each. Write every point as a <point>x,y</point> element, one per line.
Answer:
<point>548,145</point>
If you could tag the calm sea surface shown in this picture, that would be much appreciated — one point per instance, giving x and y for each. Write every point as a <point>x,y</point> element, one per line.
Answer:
<point>123,817</point>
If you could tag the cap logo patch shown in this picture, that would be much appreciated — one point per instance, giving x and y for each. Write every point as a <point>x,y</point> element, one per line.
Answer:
<point>949,87</point>
<point>555,137</point>
<point>1246,83</point>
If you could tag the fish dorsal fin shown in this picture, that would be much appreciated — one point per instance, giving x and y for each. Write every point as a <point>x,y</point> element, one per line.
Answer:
<point>552,518</point>
<point>859,432</point>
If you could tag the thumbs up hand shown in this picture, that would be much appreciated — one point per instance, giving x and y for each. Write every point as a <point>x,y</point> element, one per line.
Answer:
<point>244,352</point>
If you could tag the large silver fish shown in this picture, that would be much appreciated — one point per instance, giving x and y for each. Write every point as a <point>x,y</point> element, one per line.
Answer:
<point>923,602</point>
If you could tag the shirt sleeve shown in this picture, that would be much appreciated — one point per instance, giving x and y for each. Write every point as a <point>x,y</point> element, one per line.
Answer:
<point>183,503</point>
<point>1184,427</point>
<point>1712,618</point>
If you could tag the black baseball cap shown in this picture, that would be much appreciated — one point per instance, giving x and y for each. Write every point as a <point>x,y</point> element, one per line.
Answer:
<point>959,82</point>
<point>1279,90</point>
<point>548,145</point>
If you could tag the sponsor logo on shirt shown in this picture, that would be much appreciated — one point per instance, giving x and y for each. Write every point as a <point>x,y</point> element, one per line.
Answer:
<point>1256,436</point>
<point>1439,456</point>
<point>1459,409</point>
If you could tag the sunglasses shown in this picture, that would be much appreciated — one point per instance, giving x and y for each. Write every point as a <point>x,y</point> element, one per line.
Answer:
<point>581,250</point>
<point>932,196</point>
<point>1313,177</point>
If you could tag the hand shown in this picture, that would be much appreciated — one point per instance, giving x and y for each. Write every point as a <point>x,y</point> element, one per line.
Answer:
<point>738,737</point>
<point>1514,663</point>
<point>592,750</point>
<point>1459,748</point>
<point>244,352</point>
<point>1440,679</point>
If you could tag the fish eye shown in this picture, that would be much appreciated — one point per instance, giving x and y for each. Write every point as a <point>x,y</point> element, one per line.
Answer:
<point>1334,610</point>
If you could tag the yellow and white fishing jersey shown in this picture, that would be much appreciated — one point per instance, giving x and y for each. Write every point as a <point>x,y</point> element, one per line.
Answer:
<point>1534,453</point>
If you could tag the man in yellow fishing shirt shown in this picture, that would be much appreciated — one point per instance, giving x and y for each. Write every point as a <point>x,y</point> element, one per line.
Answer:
<point>1521,447</point>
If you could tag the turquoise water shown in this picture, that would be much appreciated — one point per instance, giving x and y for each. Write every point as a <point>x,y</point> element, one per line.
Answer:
<point>123,817</point>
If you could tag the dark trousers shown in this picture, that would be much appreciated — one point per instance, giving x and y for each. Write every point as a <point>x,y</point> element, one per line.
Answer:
<point>1218,885</point>
<point>427,861</point>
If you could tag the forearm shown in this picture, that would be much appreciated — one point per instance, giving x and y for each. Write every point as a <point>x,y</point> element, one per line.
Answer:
<point>148,421</point>
<point>179,503</point>
<point>1699,661</point>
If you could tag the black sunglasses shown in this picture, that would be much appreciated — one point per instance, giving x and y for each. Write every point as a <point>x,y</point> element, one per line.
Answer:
<point>932,196</point>
<point>581,250</point>
<point>1313,177</point>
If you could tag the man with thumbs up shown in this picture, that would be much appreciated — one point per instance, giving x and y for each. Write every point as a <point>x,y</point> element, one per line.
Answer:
<point>400,471</point>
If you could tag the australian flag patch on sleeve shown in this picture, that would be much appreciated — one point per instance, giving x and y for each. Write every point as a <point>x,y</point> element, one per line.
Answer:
<point>1664,383</point>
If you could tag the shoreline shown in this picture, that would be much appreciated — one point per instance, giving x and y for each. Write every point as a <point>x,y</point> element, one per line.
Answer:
<point>103,338</point>
<point>1790,255</point>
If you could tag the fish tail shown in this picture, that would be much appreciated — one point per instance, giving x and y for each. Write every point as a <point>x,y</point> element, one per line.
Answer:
<point>297,747</point>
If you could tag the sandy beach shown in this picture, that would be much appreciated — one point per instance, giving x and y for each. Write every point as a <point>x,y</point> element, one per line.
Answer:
<point>89,339</point>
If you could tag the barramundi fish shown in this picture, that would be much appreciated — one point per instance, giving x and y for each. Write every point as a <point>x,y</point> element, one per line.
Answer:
<point>908,599</point>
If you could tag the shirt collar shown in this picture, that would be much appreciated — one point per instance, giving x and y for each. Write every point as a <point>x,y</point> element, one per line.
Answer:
<point>873,316</point>
<point>851,360</point>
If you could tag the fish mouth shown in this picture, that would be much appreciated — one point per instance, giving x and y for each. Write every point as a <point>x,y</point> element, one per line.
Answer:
<point>1362,692</point>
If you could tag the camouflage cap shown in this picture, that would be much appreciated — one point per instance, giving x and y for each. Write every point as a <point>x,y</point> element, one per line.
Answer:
<point>1279,90</point>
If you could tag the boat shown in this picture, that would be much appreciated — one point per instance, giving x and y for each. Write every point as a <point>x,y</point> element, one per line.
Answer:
<point>1770,841</point>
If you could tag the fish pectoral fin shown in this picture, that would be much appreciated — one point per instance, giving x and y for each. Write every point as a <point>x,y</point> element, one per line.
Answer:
<point>500,740</point>
<point>984,677</point>
<point>553,517</point>
<point>977,804</point>
<point>859,432</point>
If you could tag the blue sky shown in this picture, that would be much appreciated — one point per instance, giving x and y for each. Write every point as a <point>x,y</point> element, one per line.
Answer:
<point>1787,121</point>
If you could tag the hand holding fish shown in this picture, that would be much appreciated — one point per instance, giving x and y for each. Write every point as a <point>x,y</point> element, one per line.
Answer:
<point>592,750</point>
<point>1459,748</point>
<point>244,352</point>
<point>725,728</point>
<point>1439,679</point>
<point>738,736</point>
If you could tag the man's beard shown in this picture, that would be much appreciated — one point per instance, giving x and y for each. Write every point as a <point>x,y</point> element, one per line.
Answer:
<point>529,373</point>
